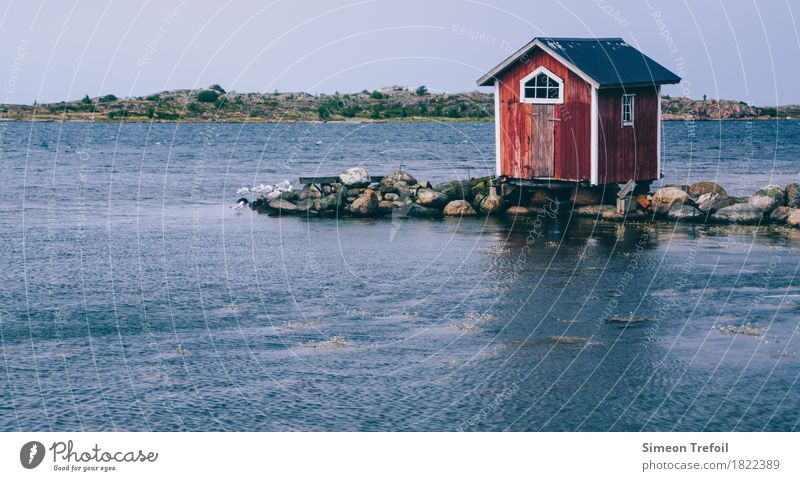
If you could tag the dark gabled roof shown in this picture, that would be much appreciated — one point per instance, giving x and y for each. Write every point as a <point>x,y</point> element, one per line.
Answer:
<point>608,62</point>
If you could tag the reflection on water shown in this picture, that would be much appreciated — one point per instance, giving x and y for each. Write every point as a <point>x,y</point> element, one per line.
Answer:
<point>125,306</point>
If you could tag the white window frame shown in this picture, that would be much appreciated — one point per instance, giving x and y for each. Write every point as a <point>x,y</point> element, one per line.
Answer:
<point>542,69</point>
<point>632,97</point>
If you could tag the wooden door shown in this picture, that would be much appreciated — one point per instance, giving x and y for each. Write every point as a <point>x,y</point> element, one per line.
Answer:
<point>543,135</point>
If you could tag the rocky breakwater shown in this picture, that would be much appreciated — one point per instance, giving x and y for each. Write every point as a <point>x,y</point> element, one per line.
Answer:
<point>354,193</point>
<point>708,202</point>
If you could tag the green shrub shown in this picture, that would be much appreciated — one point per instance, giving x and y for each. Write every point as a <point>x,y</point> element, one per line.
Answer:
<point>217,88</point>
<point>86,100</point>
<point>108,98</point>
<point>422,90</point>
<point>153,98</point>
<point>207,96</point>
<point>378,96</point>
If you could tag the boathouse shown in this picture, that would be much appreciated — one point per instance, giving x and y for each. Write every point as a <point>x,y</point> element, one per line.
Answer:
<point>578,109</point>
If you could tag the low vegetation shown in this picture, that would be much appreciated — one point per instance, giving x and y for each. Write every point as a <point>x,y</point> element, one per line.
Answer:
<point>386,104</point>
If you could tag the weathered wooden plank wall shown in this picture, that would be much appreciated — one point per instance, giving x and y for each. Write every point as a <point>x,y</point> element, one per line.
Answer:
<point>572,133</point>
<point>628,152</point>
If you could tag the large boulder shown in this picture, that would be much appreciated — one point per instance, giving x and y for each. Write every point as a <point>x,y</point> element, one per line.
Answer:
<point>289,196</point>
<point>700,188</point>
<point>593,210</point>
<point>431,198</point>
<point>456,190</point>
<point>793,195</point>
<point>711,202</point>
<point>492,203</point>
<point>366,205</point>
<point>781,214</point>
<point>282,206</point>
<point>794,218</point>
<point>666,197</point>
<point>459,208</point>
<point>331,202</point>
<point>740,213</point>
<point>418,210</point>
<point>355,177</point>
<point>586,196</point>
<point>768,198</point>
<point>393,181</point>
<point>307,205</point>
<point>310,191</point>
<point>684,212</point>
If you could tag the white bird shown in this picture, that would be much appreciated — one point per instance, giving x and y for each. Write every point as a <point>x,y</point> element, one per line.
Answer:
<point>319,142</point>
<point>242,191</point>
<point>238,207</point>
<point>262,189</point>
<point>283,186</point>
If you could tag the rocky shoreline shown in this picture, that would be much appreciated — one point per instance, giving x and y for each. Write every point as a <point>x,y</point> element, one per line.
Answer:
<point>354,193</point>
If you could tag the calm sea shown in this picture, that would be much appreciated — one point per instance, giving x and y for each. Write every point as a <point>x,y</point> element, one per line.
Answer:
<point>132,297</point>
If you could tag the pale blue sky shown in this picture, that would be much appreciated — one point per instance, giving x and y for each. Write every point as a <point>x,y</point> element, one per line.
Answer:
<point>56,50</point>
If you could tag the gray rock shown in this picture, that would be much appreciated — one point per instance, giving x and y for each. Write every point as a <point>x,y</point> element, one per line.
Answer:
<point>793,195</point>
<point>781,214</point>
<point>431,198</point>
<point>700,188</point>
<point>310,191</point>
<point>355,177</point>
<point>391,197</point>
<point>684,212</point>
<point>459,208</point>
<point>456,190</point>
<point>666,197</point>
<point>282,206</point>
<point>711,202</point>
<point>417,210</point>
<point>292,196</point>
<point>331,202</point>
<point>768,198</point>
<point>306,205</point>
<point>399,176</point>
<point>683,187</point>
<point>739,213</point>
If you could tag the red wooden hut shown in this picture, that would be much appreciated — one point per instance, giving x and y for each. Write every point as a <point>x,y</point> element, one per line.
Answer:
<point>578,110</point>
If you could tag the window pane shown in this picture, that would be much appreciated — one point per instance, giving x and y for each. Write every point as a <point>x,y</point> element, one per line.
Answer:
<point>529,92</point>
<point>552,93</point>
<point>541,80</point>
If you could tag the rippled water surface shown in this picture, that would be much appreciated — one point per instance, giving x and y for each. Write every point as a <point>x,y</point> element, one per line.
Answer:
<point>132,298</point>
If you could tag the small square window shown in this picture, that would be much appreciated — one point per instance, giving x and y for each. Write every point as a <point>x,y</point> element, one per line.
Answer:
<point>627,110</point>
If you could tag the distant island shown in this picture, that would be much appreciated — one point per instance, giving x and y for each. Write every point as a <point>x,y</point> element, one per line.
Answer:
<point>214,104</point>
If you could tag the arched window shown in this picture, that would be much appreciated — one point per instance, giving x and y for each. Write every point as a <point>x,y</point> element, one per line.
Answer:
<point>541,87</point>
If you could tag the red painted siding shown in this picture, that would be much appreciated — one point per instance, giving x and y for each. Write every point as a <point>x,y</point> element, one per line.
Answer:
<point>572,132</point>
<point>627,152</point>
